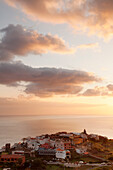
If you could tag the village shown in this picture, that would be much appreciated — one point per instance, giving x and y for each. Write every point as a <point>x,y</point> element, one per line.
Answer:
<point>59,149</point>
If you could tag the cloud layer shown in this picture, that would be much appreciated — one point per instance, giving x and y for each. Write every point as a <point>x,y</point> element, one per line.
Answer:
<point>93,15</point>
<point>45,82</point>
<point>18,41</point>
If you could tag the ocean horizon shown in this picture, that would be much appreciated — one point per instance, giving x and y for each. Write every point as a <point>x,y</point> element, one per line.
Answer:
<point>14,127</point>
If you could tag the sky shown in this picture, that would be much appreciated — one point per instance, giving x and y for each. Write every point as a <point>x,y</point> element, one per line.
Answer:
<point>56,57</point>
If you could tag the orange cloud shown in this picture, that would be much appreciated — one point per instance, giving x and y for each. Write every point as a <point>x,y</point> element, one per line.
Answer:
<point>96,16</point>
<point>90,45</point>
<point>19,41</point>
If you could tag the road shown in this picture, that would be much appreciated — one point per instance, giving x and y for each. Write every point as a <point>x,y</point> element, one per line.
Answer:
<point>74,165</point>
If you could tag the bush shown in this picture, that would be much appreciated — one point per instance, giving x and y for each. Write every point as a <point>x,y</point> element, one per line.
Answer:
<point>38,164</point>
<point>111,158</point>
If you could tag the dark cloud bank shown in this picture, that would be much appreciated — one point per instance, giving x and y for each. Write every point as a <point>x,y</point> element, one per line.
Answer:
<point>45,82</point>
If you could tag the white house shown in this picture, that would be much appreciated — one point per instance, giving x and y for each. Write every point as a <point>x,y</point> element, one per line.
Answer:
<point>77,134</point>
<point>42,141</point>
<point>84,136</point>
<point>81,149</point>
<point>60,154</point>
<point>94,136</point>
<point>52,143</point>
<point>59,144</point>
<point>33,144</point>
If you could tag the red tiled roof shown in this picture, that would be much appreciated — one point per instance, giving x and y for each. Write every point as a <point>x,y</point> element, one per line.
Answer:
<point>46,144</point>
<point>59,149</point>
<point>11,156</point>
<point>86,153</point>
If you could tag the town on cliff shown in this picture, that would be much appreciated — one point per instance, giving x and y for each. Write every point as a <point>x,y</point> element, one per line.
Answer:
<point>61,150</point>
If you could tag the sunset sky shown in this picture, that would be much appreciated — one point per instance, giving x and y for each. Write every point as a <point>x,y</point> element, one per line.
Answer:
<point>56,57</point>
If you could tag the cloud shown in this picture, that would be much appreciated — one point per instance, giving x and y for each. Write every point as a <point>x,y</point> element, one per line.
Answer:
<point>19,41</point>
<point>99,91</point>
<point>45,82</point>
<point>96,16</point>
<point>90,45</point>
<point>47,91</point>
<point>91,92</point>
<point>110,87</point>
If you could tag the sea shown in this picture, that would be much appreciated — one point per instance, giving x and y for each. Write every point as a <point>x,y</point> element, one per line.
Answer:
<point>14,128</point>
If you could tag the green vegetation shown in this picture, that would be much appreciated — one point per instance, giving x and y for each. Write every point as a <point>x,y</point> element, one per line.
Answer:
<point>103,168</point>
<point>38,164</point>
<point>102,148</point>
<point>77,157</point>
<point>57,167</point>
